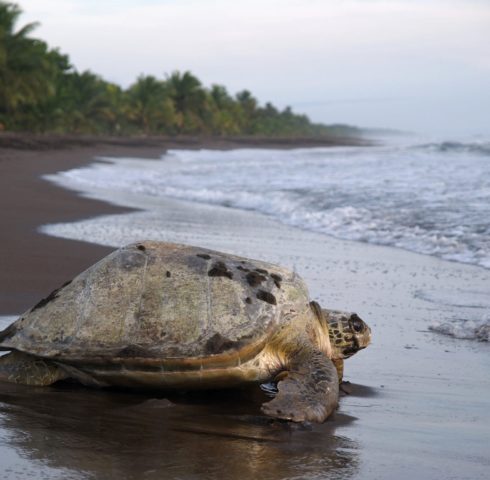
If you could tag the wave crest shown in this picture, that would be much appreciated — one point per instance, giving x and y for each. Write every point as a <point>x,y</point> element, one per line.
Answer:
<point>479,148</point>
<point>467,329</point>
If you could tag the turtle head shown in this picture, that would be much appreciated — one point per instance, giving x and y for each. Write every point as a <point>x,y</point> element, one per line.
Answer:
<point>348,333</point>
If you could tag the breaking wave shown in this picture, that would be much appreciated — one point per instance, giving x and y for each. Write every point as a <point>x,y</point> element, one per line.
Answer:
<point>432,199</point>
<point>467,329</point>
<point>479,148</point>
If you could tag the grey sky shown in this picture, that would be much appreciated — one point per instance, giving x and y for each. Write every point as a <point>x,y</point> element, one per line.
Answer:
<point>422,65</point>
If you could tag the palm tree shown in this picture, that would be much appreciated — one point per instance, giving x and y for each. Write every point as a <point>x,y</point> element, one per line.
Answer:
<point>26,73</point>
<point>191,104</point>
<point>248,108</point>
<point>47,112</point>
<point>150,106</point>
<point>221,97</point>
<point>89,103</point>
<point>226,111</point>
<point>186,91</point>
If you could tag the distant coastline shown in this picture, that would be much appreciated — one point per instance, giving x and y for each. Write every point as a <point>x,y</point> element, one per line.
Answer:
<point>53,141</point>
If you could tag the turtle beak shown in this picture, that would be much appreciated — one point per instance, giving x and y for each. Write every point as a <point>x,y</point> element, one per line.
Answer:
<point>348,352</point>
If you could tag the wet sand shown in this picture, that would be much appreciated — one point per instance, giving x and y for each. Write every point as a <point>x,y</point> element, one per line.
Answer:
<point>419,407</point>
<point>32,264</point>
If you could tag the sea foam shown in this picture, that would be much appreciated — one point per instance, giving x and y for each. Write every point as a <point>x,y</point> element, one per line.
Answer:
<point>432,199</point>
<point>467,329</point>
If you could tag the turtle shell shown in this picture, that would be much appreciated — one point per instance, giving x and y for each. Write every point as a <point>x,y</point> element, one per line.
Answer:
<point>155,300</point>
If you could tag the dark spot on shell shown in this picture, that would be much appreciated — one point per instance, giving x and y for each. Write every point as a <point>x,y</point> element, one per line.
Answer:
<point>217,344</point>
<point>168,274</point>
<point>50,297</point>
<point>277,279</point>
<point>141,247</point>
<point>266,297</point>
<point>205,256</point>
<point>132,351</point>
<point>254,279</point>
<point>243,269</point>
<point>220,270</point>
<point>248,300</point>
<point>64,340</point>
<point>262,271</point>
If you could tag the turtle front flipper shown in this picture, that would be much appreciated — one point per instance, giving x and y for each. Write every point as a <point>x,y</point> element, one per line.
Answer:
<point>17,367</point>
<point>309,392</point>
<point>339,365</point>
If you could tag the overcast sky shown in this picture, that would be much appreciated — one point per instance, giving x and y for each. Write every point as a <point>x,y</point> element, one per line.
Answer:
<point>421,65</point>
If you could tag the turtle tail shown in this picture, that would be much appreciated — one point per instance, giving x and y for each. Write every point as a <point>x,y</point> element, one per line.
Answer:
<point>24,369</point>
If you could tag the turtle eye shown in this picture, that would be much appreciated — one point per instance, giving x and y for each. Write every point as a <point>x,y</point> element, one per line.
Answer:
<point>356,323</point>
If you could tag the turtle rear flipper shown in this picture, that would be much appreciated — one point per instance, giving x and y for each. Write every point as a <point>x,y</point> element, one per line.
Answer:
<point>309,392</point>
<point>18,367</point>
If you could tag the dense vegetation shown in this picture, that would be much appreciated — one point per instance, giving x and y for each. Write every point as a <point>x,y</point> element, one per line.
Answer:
<point>40,91</point>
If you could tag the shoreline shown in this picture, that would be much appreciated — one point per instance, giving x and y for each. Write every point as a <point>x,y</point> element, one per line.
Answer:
<point>18,141</point>
<point>32,264</point>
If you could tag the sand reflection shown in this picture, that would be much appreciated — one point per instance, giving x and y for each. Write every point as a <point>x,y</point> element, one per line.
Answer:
<point>83,433</point>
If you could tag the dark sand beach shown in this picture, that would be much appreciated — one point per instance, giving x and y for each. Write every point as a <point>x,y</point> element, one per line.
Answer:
<point>419,403</point>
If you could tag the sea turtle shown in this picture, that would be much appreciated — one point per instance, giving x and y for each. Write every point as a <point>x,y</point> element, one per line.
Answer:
<point>165,316</point>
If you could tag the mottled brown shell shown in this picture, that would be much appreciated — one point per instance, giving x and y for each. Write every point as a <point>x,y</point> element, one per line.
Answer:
<point>157,300</point>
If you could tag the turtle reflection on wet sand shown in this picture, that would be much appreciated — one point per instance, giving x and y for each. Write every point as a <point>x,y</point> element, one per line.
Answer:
<point>155,315</point>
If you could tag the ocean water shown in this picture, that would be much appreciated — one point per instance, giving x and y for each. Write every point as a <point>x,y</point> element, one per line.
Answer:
<point>423,196</point>
<point>430,198</point>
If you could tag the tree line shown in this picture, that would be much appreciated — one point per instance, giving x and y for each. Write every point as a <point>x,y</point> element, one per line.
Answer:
<point>41,91</point>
